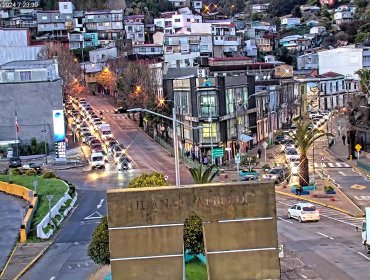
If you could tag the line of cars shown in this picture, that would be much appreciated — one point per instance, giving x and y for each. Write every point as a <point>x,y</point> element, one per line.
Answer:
<point>91,130</point>
<point>16,162</point>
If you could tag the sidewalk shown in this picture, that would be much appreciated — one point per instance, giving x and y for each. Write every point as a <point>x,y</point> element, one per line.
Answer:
<point>22,258</point>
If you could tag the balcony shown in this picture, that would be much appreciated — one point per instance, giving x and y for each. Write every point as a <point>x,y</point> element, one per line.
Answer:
<point>171,42</point>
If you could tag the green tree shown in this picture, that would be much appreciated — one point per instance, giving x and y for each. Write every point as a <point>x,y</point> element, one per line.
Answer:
<point>364,75</point>
<point>98,249</point>
<point>203,176</point>
<point>362,37</point>
<point>303,138</point>
<point>193,234</point>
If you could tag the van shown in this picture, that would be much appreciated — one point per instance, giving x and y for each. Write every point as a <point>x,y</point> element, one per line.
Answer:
<point>97,160</point>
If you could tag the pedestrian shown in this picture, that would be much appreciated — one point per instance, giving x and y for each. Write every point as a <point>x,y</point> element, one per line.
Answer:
<point>344,139</point>
<point>259,152</point>
<point>298,190</point>
<point>205,160</point>
<point>246,148</point>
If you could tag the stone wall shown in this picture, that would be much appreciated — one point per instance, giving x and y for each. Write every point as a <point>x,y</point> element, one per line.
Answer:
<point>239,227</point>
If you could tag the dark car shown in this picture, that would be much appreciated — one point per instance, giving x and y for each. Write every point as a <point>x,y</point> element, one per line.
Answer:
<point>36,166</point>
<point>15,162</point>
<point>120,110</point>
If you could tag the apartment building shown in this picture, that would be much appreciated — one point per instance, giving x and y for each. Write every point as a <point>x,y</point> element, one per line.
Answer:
<point>343,16</point>
<point>147,50</point>
<point>182,49</point>
<point>56,23</point>
<point>173,22</point>
<point>108,24</point>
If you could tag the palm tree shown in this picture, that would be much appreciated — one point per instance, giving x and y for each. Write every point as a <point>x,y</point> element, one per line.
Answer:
<point>364,75</point>
<point>202,177</point>
<point>303,138</point>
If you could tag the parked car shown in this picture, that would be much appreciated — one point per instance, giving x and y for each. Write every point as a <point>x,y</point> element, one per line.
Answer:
<point>15,162</point>
<point>294,163</point>
<point>120,110</point>
<point>280,139</point>
<point>125,163</point>
<point>276,174</point>
<point>289,153</point>
<point>249,177</point>
<point>304,212</point>
<point>33,165</point>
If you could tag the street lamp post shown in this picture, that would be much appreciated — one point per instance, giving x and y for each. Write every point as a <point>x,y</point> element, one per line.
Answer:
<point>50,198</point>
<point>175,144</point>
<point>45,145</point>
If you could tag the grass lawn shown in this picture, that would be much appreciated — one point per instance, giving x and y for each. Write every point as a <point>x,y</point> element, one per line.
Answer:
<point>195,270</point>
<point>55,187</point>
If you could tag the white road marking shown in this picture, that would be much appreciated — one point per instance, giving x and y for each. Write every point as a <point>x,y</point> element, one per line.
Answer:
<point>366,257</point>
<point>52,278</point>
<point>316,164</point>
<point>338,164</point>
<point>362,197</point>
<point>100,204</point>
<point>346,165</point>
<point>339,220</point>
<point>285,220</point>
<point>304,276</point>
<point>330,164</point>
<point>340,172</point>
<point>325,235</point>
<point>95,215</point>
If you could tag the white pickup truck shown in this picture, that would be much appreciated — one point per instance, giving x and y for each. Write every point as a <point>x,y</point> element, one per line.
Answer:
<point>366,230</point>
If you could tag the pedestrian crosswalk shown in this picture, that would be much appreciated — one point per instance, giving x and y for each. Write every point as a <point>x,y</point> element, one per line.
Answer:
<point>328,164</point>
<point>107,111</point>
<point>118,117</point>
<point>326,212</point>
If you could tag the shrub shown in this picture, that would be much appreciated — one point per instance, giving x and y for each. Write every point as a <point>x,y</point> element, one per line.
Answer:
<point>48,175</point>
<point>72,190</point>
<point>14,171</point>
<point>30,172</point>
<point>328,189</point>
<point>68,203</point>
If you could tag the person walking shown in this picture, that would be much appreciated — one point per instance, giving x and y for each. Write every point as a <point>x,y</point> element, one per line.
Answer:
<point>259,152</point>
<point>344,139</point>
<point>205,160</point>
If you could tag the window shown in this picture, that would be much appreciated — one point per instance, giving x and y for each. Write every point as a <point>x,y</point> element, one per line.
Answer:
<point>229,101</point>
<point>129,28</point>
<point>25,75</point>
<point>100,24</point>
<point>152,50</point>
<point>44,17</point>
<point>208,104</point>
<point>188,19</point>
<point>209,131</point>
<point>182,101</point>
<point>177,20</point>
<point>140,35</point>
<point>106,24</point>
<point>57,17</point>
<point>65,7</point>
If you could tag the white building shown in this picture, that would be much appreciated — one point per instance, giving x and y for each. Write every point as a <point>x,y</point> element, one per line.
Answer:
<point>260,8</point>
<point>317,30</point>
<point>290,21</point>
<point>341,17</point>
<point>179,3</point>
<point>345,61</point>
<point>181,49</point>
<point>176,22</point>
<point>102,54</point>
<point>225,40</point>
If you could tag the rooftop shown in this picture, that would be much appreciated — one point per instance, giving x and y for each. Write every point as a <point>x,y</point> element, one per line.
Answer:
<point>27,64</point>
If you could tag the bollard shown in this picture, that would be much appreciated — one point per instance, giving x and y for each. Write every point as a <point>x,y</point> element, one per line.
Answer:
<point>350,157</point>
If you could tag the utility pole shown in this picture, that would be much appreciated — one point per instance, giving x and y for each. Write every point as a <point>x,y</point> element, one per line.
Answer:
<point>45,144</point>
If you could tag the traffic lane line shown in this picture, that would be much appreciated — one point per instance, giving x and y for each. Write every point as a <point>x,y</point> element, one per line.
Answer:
<point>284,220</point>
<point>344,222</point>
<point>366,257</point>
<point>327,236</point>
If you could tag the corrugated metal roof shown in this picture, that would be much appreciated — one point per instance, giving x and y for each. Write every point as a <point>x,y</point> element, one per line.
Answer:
<point>13,37</point>
<point>27,64</point>
<point>8,54</point>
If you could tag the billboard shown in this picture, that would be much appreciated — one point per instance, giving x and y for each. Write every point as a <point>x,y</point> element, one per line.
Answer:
<point>59,126</point>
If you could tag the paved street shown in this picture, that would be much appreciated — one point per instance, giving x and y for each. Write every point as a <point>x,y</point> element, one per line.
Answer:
<point>12,210</point>
<point>332,247</point>
<point>67,257</point>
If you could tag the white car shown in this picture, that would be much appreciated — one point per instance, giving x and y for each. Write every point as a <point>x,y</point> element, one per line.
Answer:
<point>304,212</point>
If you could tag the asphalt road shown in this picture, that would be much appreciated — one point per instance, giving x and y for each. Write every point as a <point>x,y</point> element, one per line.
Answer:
<point>12,210</point>
<point>331,247</point>
<point>67,257</point>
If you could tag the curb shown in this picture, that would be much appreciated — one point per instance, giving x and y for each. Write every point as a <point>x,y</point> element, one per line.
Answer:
<point>8,261</point>
<point>338,189</point>
<point>317,202</point>
<point>32,261</point>
<point>71,167</point>
<point>360,172</point>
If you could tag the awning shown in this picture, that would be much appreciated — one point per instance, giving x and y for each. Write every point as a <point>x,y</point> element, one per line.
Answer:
<point>245,138</point>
